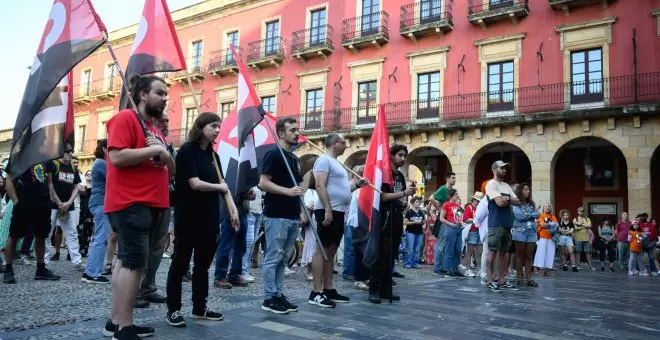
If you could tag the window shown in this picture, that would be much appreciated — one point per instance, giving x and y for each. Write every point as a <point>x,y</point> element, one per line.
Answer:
<point>269,104</point>
<point>500,86</point>
<point>80,138</point>
<point>367,109</point>
<point>428,95</point>
<point>232,39</point>
<point>370,16</point>
<point>272,37</point>
<point>109,77</point>
<point>191,115</point>
<point>587,76</point>
<point>86,82</point>
<point>103,131</point>
<point>430,10</point>
<point>496,4</point>
<point>196,56</point>
<point>313,108</point>
<point>225,109</point>
<point>317,27</point>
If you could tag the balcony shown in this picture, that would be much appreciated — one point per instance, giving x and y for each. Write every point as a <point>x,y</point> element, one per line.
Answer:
<point>364,31</point>
<point>106,88</point>
<point>196,71</point>
<point>622,94</point>
<point>82,95</point>
<point>567,5</point>
<point>425,18</point>
<point>266,53</point>
<point>312,42</point>
<point>484,12</point>
<point>223,63</point>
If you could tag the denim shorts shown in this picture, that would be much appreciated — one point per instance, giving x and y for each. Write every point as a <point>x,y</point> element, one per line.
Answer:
<point>527,236</point>
<point>473,238</point>
<point>134,226</point>
<point>582,246</point>
<point>565,241</point>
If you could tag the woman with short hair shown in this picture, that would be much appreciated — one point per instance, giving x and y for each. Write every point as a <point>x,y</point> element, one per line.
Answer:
<point>545,250</point>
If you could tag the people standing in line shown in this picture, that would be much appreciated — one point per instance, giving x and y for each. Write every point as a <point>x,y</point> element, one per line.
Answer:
<point>451,216</point>
<point>636,239</point>
<point>309,247</point>
<point>525,233</point>
<point>606,235</point>
<point>392,203</point>
<point>566,231</point>
<point>94,270</point>
<point>622,244</point>
<point>582,225</point>
<point>500,222</point>
<point>31,212</point>
<point>474,244</point>
<point>650,238</point>
<point>198,191</point>
<point>438,199</point>
<point>63,185</point>
<point>232,247</point>
<point>545,247</point>
<point>359,236</point>
<point>282,213</point>
<point>414,220</point>
<point>136,196</point>
<point>253,223</point>
<point>334,191</point>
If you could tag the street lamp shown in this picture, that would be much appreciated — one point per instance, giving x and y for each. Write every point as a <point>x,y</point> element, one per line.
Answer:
<point>588,167</point>
<point>428,172</point>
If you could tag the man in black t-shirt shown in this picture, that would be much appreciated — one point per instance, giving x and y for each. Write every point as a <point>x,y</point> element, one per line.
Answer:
<point>282,214</point>
<point>63,185</point>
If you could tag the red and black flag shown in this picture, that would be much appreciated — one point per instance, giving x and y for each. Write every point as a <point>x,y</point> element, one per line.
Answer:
<point>156,47</point>
<point>45,118</point>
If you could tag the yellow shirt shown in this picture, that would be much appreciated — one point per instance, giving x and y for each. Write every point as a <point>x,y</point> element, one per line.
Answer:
<point>583,234</point>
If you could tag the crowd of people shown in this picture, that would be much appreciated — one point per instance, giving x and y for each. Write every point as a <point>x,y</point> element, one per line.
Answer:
<point>143,196</point>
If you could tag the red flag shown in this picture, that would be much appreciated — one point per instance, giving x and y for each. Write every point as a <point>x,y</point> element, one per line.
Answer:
<point>156,47</point>
<point>378,170</point>
<point>73,32</point>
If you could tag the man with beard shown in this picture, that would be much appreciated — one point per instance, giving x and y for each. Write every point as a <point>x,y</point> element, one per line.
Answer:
<point>393,202</point>
<point>136,196</point>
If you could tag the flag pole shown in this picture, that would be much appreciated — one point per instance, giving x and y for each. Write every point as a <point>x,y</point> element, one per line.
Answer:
<point>229,200</point>
<point>293,179</point>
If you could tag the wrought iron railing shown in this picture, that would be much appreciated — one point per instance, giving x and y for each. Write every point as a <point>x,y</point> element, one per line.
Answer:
<point>195,66</point>
<point>425,12</point>
<point>479,6</point>
<point>320,36</point>
<point>83,90</point>
<point>221,59</point>
<point>266,48</point>
<point>105,85</point>
<point>365,26</point>
<point>562,97</point>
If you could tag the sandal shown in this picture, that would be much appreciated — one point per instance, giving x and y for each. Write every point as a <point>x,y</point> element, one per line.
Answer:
<point>531,283</point>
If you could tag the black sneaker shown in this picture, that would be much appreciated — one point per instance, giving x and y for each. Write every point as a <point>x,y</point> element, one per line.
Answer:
<point>564,268</point>
<point>207,314</point>
<point>274,305</point>
<point>602,269</point>
<point>175,319</point>
<point>46,274</point>
<point>575,269</point>
<point>398,275</point>
<point>457,275</point>
<point>142,332</point>
<point>98,279</point>
<point>107,271</point>
<point>441,272</point>
<point>68,257</point>
<point>55,257</point>
<point>493,287</point>
<point>320,300</point>
<point>335,297</point>
<point>8,277</point>
<point>290,306</point>
<point>508,286</point>
<point>126,333</point>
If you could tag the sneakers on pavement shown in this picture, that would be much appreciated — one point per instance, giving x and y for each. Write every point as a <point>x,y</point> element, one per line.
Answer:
<point>142,332</point>
<point>631,273</point>
<point>288,271</point>
<point>274,305</point>
<point>575,269</point>
<point>98,279</point>
<point>643,273</point>
<point>208,314</point>
<point>320,300</point>
<point>55,257</point>
<point>107,271</point>
<point>8,277</point>
<point>335,297</point>
<point>493,287</point>
<point>46,274</point>
<point>175,319</point>
<point>508,286</point>
<point>470,273</point>
<point>126,333</point>
<point>222,284</point>
<point>239,282</point>
<point>290,307</point>
<point>564,268</point>
<point>361,285</point>
<point>398,275</point>
<point>80,267</point>
<point>28,259</point>
<point>248,278</point>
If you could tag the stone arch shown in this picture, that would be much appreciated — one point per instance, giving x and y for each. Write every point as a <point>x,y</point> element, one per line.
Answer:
<point>422,156</point>
<point>307,163</point>
<point>479,167</point>
<point>356,158</point>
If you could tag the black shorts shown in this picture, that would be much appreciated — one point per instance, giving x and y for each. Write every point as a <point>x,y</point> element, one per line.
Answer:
<point>134,226</point>
<point>332,234</point>
<point>30,219</point>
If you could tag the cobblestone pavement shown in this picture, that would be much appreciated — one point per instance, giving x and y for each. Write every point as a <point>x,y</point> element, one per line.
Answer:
<point>594,305</point>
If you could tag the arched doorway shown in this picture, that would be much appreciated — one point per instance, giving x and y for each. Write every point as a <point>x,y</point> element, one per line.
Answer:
<point>427,158</point>
<point>590,172</point>
<point>480,171</point>
<point>655,183</point>
<point>356,158</point>
<point>307,163</point>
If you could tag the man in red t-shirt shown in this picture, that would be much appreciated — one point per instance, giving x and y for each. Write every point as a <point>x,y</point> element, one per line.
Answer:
<point>136,196</point>
<point>651,234</point>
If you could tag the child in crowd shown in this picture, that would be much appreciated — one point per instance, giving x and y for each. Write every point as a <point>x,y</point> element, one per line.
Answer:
<point>636,250</point>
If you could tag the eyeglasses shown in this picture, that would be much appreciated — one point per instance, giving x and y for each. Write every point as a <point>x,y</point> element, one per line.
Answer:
<point>68,151</point>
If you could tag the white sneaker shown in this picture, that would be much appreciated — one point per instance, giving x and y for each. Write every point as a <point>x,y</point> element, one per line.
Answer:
<point>462,267</point>
<point>288,271</point>
<point>361,285</point>
<point>654,273</point>
<point>644,273</point>
<point>631,273</point>
<point>166,255</point>
<point>310,277</point>
<point>470,273</point>
<point>636,271</point>
<point>247,278</point>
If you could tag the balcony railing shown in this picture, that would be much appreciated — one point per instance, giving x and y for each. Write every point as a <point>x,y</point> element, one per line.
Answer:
<point>367,29</point>
<point>82,93</point>
<point>223,62</point>
<point>196,69</point>
<point>265,52</point>
<point>106,88</point>
<point>562,97</point>
<point>426,16</point>
<point>566,5</point>
<point>315,40</point>
<point>482,12</point>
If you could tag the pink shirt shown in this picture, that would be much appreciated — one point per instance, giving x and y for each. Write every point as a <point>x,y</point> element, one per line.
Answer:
<point>622,229</point>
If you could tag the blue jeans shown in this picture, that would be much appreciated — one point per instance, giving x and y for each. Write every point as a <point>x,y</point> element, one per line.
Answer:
<point>453,249</point>
<point>281,234</point>
<point>99,242</point>
<point>649,253</point>
<point>349,253</point>
<point>413,246</point>
<point>439,250</point>
<point>253,221</point>
<point>230,242</point>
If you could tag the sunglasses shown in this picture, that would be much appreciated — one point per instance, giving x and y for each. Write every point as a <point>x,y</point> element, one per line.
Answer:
<point>68,151</point>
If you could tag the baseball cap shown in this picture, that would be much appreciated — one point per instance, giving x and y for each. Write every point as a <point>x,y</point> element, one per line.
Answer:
<point>498,164</point>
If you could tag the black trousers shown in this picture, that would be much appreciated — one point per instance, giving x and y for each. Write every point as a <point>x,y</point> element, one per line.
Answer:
<point>204,246</point>
<point>611,253</point>
<point>381,271</point>
<point>361,272</point>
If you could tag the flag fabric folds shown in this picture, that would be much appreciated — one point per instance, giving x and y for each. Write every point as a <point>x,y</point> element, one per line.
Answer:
<point>378,170</point>
<point>156,47</point>
<point>44,121</point>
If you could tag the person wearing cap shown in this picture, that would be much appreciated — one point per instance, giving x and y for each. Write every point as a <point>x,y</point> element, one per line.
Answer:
<point>439,198</point>
<point>474,244</point>
<point>500,222</point>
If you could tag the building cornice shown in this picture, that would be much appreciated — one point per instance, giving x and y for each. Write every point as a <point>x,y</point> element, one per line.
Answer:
<point>502,38</point>
<point>443,49</point>
<point>586,24</point>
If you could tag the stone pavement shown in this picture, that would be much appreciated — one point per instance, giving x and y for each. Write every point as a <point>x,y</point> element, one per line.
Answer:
<point>570,305</point>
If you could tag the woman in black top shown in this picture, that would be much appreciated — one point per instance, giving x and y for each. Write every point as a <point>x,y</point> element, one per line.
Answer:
<point>197,219</point>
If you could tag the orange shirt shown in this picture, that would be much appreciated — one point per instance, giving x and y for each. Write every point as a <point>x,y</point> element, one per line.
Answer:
<point>543,232</point>
<point>636,241</point>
